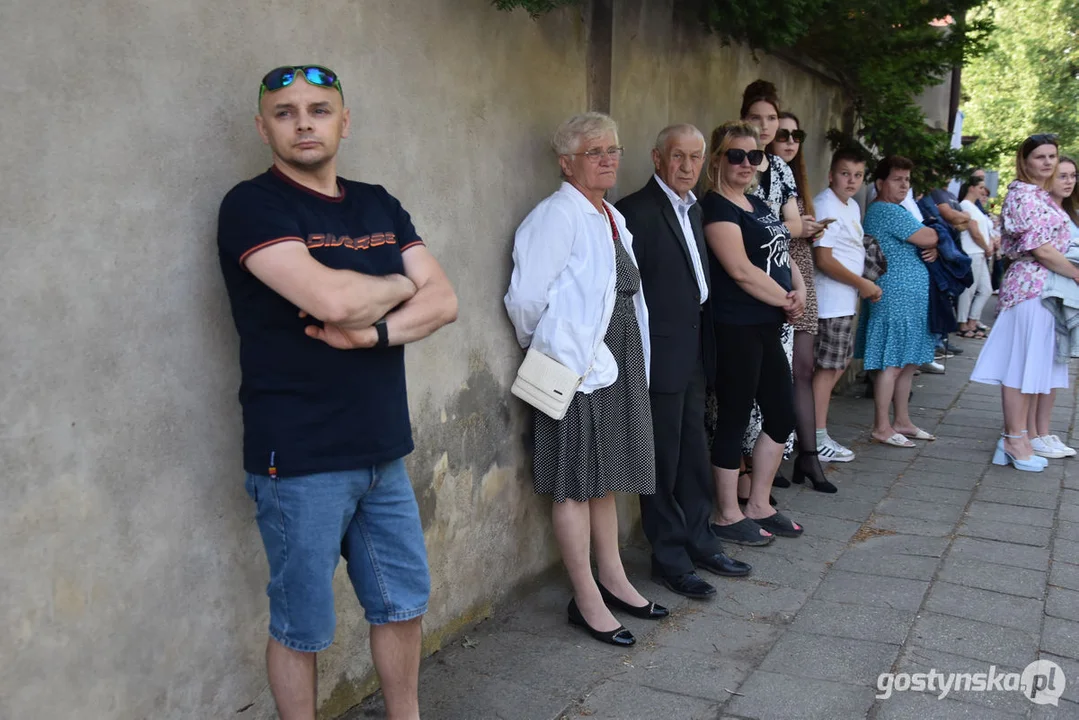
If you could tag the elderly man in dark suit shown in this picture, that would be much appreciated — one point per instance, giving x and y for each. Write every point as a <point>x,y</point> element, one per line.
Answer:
<point>668,241</point>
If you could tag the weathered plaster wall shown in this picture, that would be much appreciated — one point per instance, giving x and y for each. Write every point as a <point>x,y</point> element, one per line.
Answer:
<point>666,70</point>
<point>132,575</point>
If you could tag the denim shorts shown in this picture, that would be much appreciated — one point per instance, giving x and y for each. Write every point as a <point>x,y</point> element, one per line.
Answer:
<point>370,518</point>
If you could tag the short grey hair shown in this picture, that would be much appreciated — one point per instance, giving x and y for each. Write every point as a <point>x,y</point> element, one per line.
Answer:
<point>569,135</point>
<point>673,131</point>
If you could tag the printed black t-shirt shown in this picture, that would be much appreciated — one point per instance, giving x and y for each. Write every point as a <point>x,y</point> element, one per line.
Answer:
<point>308,407</point>
<point>767,243</point>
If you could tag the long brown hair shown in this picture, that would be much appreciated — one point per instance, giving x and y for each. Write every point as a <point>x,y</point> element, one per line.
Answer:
<point>1070,203</point>
<point>797,166</point>
<point>1029,145</point>
<point>721,142</point>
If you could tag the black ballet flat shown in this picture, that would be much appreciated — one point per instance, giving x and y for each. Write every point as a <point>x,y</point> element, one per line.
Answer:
<point>651,611</point>
<point>620,636</point>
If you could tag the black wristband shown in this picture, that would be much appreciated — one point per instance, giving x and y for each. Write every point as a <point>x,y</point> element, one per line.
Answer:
<point>383,335</point>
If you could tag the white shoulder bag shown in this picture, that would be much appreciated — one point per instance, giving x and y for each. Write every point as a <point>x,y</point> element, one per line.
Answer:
<point>546,384</point>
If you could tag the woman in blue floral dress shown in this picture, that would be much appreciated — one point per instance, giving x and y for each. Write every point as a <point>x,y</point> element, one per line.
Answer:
<point>897,337</point>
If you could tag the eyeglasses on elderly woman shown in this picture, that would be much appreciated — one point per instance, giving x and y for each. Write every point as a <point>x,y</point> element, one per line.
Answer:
<point>594,154</point>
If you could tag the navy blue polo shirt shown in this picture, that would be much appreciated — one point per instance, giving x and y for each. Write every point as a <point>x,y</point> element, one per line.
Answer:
<point>307,407</point>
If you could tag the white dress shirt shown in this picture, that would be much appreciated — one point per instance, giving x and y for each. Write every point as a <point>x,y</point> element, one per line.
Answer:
<point>681,211</point>
<point>562,289</point>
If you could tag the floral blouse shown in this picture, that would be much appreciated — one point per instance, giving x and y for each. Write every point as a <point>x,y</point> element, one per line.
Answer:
<point>1030,219</point>
<point>776,185</point>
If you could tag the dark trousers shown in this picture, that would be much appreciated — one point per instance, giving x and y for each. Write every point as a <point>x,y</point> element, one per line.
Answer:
<point>676,519</point>
<point>753,367</point>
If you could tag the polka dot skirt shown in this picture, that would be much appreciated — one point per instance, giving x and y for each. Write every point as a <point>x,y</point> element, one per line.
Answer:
<point>604,443</point>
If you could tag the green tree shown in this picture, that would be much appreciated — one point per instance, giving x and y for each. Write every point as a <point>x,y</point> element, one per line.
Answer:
<point>884,53</point>
<point>1028,80</point>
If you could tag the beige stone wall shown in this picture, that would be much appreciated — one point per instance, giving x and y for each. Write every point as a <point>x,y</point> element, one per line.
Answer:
<point>132,578</point>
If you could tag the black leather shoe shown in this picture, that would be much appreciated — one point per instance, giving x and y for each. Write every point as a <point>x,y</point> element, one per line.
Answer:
<point>651,611</point>
<point>689,585</point>
<point>619,636</point>
<point>723,564</point>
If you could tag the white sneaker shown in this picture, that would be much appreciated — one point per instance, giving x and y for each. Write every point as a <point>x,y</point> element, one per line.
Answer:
<point>1044,446</point>
<point>1055,442</point>
<point>831,451</point>
<point>934,368</point>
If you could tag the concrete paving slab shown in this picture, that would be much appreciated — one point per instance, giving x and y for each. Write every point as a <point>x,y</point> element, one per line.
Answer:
<point>913,490</point>
<point>912,526</point>
<point>923,706</point>
<point>1037,517</point>
<point>743,643</point>
<point>1071,672</point>
<point>990,576</point>
<point>756,600</point>
<point>1064,575</point>
<point>920,510</point>
<point>1067,531</point>
<point>671,669</point>
<point>914,567</point>
<point>1062,603</point>
<point>1002,553</point>
<point>1060,637</point>
<point>1066,550</point>
<point>1005,532</point>
<point>873,590</point>
<point>984,605</point>
<point>974,639</point>
<point>857,622</point>
<point>615,700</point>
<point>777,695</point>
<point>1021,498</point>
<point>954,481</point>
<point>915,659</point>
<point>843,660</point>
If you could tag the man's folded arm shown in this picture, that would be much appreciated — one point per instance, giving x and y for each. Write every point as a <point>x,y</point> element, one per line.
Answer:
<point>345,298</point>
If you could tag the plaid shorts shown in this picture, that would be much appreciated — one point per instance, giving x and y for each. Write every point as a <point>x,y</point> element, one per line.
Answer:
<point>834,346</point>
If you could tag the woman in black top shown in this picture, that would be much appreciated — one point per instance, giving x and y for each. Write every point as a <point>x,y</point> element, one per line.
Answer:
<point>755,290</point>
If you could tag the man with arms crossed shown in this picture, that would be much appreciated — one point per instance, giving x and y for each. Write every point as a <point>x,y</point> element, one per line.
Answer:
<point>668,242</point>
<point>328,280</point>
<point>839,255</point>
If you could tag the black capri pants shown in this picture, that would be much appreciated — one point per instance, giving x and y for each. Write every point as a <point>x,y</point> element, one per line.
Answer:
<point>750,365</point>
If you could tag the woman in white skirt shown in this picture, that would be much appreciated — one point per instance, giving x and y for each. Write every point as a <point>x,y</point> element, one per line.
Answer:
<point>1019,355</point>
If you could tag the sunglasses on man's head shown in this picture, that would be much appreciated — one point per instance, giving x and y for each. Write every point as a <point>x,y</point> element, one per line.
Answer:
<point>282,77</point>
<point>737,157</point>
<point>785,135</point>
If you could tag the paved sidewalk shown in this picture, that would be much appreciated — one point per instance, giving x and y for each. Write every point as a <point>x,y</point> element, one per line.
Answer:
<point>926,559</point>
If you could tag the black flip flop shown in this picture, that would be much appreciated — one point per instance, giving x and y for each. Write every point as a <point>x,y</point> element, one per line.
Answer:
<point>780,524</point>
<point>743,532</point>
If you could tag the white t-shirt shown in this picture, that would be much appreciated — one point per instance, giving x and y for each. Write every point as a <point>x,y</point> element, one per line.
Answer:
<point>844,237</point>
<point>985,225</point>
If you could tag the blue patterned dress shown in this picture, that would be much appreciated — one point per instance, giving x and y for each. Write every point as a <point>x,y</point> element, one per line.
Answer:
<point>897,327</point>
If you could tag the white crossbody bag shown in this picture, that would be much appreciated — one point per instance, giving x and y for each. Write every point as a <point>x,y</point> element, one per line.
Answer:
<point>546,384</point>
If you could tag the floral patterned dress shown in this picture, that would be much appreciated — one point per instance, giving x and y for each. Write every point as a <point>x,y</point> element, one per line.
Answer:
<point>1031,219</point>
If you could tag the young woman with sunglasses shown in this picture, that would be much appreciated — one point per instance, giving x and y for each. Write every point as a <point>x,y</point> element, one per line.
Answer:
<point>787,145</point>
<point>755,290</point>
<point>1020,352</point>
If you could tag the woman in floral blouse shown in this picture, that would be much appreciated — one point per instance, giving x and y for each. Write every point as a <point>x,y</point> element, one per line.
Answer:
<point>1019,355</point>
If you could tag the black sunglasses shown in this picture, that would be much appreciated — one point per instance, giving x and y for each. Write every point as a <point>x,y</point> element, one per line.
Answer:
<point>737,157</point>
<point>284,76</point>
<point>785,135</point>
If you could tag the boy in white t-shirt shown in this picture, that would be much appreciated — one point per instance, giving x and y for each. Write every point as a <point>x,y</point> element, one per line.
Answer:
<point>839,256</point>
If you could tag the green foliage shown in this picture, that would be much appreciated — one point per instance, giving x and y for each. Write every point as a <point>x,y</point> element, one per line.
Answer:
<point>1028,81</point>
<point>884,53</point>
<point>761,24</point>
<point>535,8</point>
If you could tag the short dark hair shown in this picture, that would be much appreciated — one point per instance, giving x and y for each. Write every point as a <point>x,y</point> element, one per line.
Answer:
<point>892,162</point>
<point>846,154</point>
<point>759,91</point>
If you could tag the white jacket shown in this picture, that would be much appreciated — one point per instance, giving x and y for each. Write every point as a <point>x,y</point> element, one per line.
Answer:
<point>562,290</point>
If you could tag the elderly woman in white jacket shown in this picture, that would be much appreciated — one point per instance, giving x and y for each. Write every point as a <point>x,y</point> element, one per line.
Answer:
<point>575,295</point>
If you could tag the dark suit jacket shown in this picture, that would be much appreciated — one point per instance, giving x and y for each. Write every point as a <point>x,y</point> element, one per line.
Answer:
<point>677,324</point>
